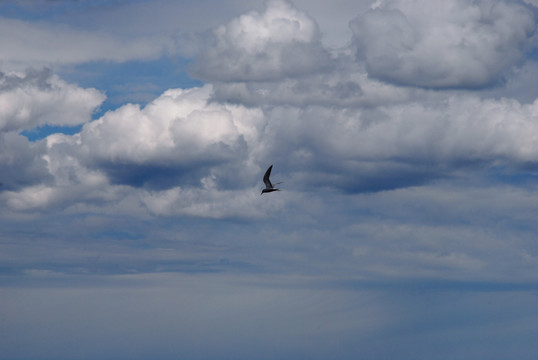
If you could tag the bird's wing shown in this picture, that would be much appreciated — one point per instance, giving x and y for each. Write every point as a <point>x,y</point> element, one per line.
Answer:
<point>266,180</point>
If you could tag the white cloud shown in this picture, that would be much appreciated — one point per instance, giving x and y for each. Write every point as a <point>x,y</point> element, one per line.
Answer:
<point>36,98</point>
<point>324,129</point>
<point>464,128</point>
<point>443,44</point>
<point>361,149</point>
<point>190,154</point>
<point>180,140</point>
<point>180,135</point>
<point>280,42</point>
<point>31,99</point>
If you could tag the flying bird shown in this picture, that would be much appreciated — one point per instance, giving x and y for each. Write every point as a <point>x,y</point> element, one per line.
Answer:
<point>268,186</point>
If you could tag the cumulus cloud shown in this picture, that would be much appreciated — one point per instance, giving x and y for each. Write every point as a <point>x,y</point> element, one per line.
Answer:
<point>335,129</point>
<point>186,154</point>
<point>30,99</point>
<point>36,98</point>
<point>178,137</point>
<point>278,43</point>
<point>49,174</point>
<point>443,44</point>
<point>180,141</point>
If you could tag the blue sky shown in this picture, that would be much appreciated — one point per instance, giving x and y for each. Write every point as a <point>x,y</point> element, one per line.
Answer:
<point>134,136</point>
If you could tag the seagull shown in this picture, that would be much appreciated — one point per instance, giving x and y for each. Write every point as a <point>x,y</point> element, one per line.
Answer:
<point>268,186</point>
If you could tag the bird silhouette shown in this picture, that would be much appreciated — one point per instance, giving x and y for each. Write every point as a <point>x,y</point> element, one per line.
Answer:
<point>268,185</point>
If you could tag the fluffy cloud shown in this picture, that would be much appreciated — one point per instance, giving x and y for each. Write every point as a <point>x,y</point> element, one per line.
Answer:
<point>181,135</point>
<point>443,44</point>
<point>185,154</point>
<point>31,99</point>
<point>36,98</point>
<point>335,129</point>
<point>180,142</point>
<point>280,42</point>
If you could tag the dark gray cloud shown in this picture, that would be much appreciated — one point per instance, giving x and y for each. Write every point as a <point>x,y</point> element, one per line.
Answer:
<point>21,163</point>
<point>155,176</point>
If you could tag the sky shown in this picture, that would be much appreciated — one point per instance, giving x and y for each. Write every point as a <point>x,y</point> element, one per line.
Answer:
<point>134,136</point>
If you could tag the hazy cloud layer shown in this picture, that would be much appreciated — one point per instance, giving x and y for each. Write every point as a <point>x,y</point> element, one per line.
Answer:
<point>33,44</point>
<point>314,321</point>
